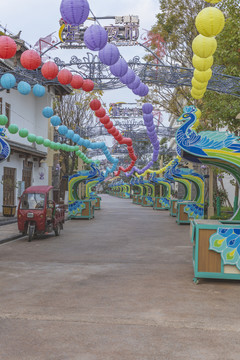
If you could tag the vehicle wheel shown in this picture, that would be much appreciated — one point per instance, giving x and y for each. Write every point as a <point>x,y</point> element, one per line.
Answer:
<point>57,230</point>
<point>30,233</point>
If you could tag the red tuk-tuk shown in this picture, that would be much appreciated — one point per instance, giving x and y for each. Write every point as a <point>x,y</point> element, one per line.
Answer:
<point>37,212</point>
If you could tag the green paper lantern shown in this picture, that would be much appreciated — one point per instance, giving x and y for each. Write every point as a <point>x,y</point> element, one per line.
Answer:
<point>52,145</point>
<point>31,138</point>
<point>46,142</point>
<point>3,119</point>
<point>23,133</point>
<point>13,129</point>
<point>39,140</point>
<point>76,148</point>
<point>58,146</point>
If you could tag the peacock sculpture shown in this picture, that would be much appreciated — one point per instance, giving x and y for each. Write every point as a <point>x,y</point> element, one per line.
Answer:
<point>163,202</point>
<point>5,148</point>
<point>76,206</point>
<point>193,209</point>
<point>220,149</point>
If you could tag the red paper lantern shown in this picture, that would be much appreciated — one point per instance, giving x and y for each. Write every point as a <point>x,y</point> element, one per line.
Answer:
<point>110,131</point>
<point>118,137</point>
<point>95,104</point>
<point>8,47</point>
<point>127,141</point>
<point>104,120</point>
<point>30,59</point>
<point>88,85</point>
<point>109,125</point>
<point>64,76</point>
<point>76,82</point>
<point>100,112</point>
<point>49,70</point>
<point>115,132</point>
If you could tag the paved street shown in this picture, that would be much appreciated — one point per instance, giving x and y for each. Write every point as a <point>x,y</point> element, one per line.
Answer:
<point>118,287</point>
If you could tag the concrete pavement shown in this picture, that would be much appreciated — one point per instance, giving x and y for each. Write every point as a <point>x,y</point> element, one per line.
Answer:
<point>118,287</point>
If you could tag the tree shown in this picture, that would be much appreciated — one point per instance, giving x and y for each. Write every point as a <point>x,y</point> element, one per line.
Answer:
<point>176,25</point>
<point>76,114</point>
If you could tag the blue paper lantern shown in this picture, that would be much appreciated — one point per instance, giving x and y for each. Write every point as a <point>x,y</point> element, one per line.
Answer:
<point>109,55</point>
<point>69,134</point>
<point>74,12</point>
<point>86,143</point>
<point>147,108</point>
<point>135,83</point>
<point>24,88</point>
<point>76,138</point>
<point>129,77</point>
<point>38,90</point>
<point>120,68</point>
<point>47,112</point>
<point>55,120</point>
<point>8,81</point>
<point>95,37</point>
<point>62,130</point>
<point>80,141</point>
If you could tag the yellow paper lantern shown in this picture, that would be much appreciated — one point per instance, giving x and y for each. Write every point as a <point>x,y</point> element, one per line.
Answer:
<point>210,21</point>
<point>195,96</point>
<point>198,113</point>
<point>202,76</point>
<point>204,46</point>
<point>199,85</point>
<point>199,92</point>
<point>202,64</point>
<point>213,1</point>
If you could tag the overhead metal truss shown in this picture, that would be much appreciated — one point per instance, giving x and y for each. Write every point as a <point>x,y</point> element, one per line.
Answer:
<point>161,75</point>
<point>164,75</point>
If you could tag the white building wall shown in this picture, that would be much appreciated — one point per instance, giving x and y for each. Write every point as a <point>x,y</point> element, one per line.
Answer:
<point>26,112</point>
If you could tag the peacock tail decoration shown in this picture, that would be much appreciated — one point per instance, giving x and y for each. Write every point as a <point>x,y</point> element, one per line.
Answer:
<point>96,177</point>
<point>176,172</point>
<point>227,242</point>
<point>5,148</point>
<point>217,148</point>
<point>165,199</point>
<point>75,204</point>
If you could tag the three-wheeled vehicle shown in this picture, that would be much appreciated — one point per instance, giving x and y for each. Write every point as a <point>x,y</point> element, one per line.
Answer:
<point>37,212</point>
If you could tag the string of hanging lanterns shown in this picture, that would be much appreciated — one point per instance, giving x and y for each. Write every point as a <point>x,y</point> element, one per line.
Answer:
<point>209,23</point>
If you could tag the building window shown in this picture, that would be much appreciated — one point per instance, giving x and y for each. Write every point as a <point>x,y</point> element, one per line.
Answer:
<point>7,113</point>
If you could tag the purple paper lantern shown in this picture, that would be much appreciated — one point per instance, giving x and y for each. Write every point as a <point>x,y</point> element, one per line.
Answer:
<point>135,83</point>
<point>120,68</point>
<point>129,77</point>
<point>95,37</point>
<point>74,12</point>
<point>148,117</point>
<point>139,89</point>
<point>109,55</point>
<point>151,128</point>
<point>144,91</point>
<point>147,108</point>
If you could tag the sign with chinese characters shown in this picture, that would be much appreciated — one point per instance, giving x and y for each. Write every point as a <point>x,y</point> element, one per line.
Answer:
<point>124,32</point>
<point>124,110</point>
